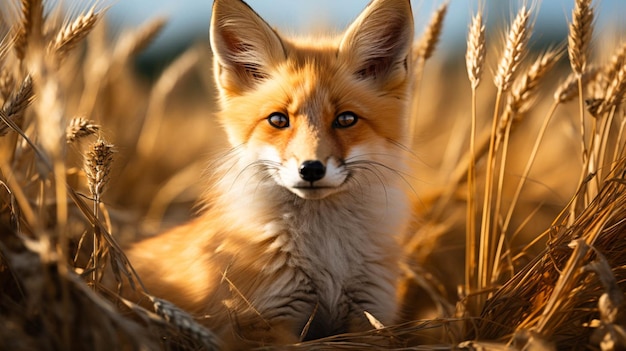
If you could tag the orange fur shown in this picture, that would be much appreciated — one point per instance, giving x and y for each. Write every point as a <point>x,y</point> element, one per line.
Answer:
<point>301,221</point>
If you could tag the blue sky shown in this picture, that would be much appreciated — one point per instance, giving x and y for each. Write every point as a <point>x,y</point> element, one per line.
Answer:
<point>189,19</point>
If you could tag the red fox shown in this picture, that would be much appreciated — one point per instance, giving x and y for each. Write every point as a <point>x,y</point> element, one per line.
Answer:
<point>297,237</point>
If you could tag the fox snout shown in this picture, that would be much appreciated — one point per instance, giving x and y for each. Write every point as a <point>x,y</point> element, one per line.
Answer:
<point>312,170</point>
<point>308,179</point>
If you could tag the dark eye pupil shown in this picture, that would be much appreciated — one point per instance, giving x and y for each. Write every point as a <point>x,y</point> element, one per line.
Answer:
<point>346,119</point>
<point>278,120</point>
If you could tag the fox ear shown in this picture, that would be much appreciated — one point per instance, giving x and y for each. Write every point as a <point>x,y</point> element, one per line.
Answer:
<point>245,47</point>
<point>378,43</point>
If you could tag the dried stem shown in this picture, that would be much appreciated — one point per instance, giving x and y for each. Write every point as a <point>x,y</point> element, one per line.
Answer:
<point>474,58</point>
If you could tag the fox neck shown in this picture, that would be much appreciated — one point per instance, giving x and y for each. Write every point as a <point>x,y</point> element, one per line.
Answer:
<point>368,212</point>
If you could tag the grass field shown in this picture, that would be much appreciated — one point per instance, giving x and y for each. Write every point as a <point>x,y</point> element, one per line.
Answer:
<point>519,178</point>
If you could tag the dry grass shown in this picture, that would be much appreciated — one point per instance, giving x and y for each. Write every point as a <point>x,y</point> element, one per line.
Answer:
<point>519,241</point>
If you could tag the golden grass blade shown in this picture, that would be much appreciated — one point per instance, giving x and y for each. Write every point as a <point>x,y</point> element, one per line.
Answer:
<point>373,321</point>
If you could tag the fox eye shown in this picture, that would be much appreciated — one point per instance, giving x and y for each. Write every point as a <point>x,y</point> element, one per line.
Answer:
<point>278,120</point>
<point>345,120</point>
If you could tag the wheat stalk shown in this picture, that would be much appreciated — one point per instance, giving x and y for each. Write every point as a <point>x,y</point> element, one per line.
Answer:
<point>568,90</point>
<point>579,38</point>
<point>30,30</point>
<point>73,33</point>
<point>614,92</point>
<point>98,161</point>
<point>80,127</point>
<point>422,52</point>
<point>17,104</point>
<point>514,49</point>
<point>525,88</point>
<point>428,42</point>
<point>521,96</point>
<point>617,61</point>
<point>520,99</point>
<point>475,55</point>
<point>97,167</point>
<point>185,323</point>
<point>7,83</point>
<point>606,113</point>
<point>135,42</point>
<point>610,89</point>
<point>475,59</point>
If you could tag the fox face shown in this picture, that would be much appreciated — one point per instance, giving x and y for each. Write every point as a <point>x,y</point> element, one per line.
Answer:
<point>315,115</point>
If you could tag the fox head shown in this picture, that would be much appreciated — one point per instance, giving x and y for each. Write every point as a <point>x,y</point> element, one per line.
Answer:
<point>316,113</point>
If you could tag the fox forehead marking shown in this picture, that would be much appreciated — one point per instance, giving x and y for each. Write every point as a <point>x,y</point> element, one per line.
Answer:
<point>312,103</point>
<point>318,91</point>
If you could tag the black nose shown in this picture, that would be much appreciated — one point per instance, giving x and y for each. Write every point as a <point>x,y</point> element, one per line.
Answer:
<point>312,170</point>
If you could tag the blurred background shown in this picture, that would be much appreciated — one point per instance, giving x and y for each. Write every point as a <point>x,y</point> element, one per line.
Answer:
<point>189,19</point>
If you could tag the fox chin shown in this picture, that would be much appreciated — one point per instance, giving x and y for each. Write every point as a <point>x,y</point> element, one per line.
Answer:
<point>297,237</point>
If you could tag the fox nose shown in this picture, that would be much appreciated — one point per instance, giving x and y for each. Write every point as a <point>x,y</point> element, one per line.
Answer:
<point>312,171</point>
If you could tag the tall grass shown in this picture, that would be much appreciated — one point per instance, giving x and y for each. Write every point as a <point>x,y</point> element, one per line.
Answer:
<point>520,196</point>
